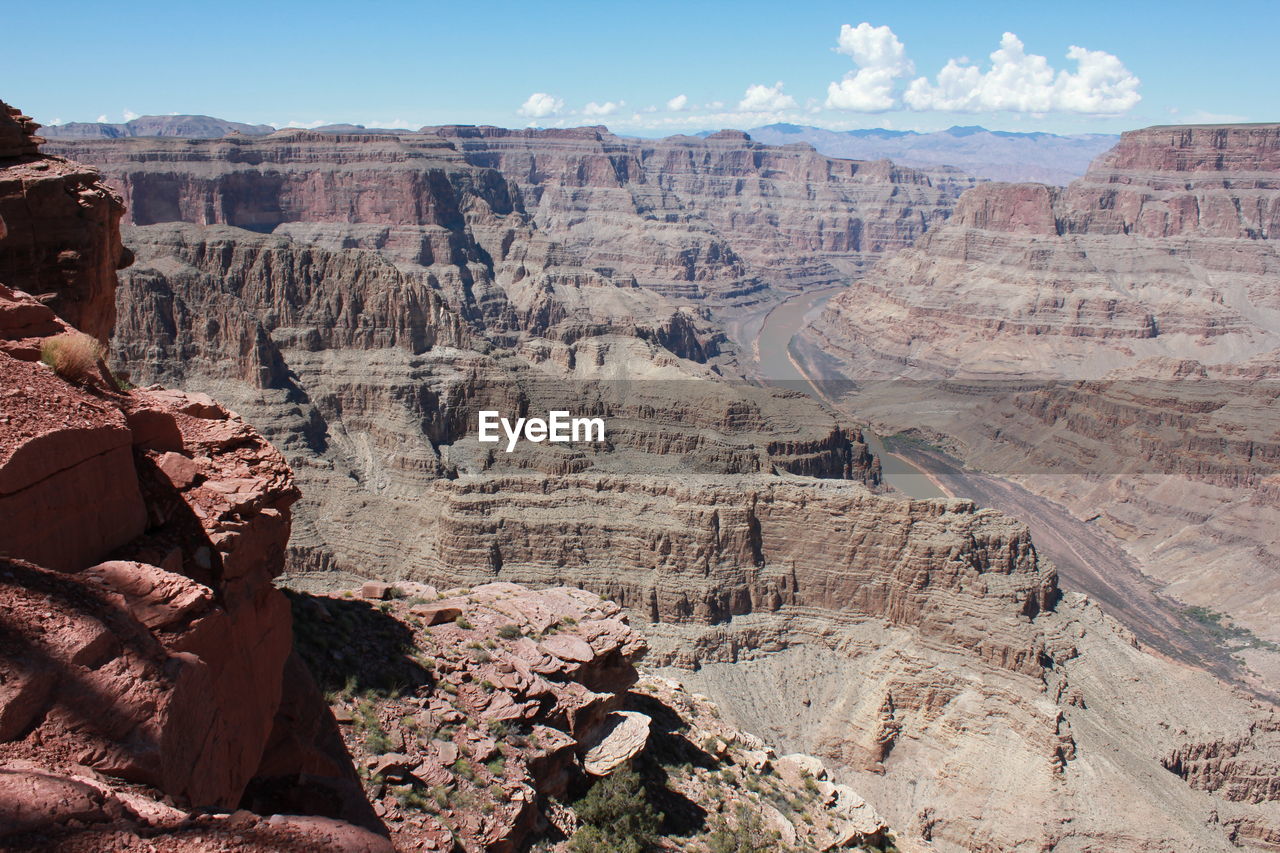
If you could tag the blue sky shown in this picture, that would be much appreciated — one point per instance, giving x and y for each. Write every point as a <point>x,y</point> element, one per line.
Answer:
<point>649,68</point>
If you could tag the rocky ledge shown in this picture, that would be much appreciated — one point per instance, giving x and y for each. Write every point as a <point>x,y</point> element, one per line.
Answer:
<point>482,718</point>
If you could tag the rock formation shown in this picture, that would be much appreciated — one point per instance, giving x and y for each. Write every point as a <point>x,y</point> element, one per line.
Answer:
<point>62,237</point>
<point>721,220</point>
<point>500,698</point>
<point>693,216</point>
<point>1152,280</point>
<point>1160,250</point>
<point>145,646</point>
<point>410,280</point>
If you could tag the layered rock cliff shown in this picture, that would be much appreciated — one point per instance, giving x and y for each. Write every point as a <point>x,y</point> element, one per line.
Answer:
<point>1161,250</point>
<point>698,217</point>
<point>1153,278</point>
<point>62,238</point>
<point>723,219</point>
<point>736,519</point>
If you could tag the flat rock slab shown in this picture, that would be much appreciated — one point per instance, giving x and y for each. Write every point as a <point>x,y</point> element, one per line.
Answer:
<point>622,736</point>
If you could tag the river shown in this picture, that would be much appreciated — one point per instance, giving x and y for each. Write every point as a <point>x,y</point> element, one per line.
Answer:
<point>1087,558</point>
<point>777,366</point>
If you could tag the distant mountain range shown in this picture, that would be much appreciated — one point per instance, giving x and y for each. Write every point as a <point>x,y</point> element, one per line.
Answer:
<point>995,154</point>
<point>190,127</point>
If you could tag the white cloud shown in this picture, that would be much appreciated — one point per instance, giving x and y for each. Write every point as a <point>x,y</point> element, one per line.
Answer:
<point>102,119</point>
<point>678,104</point>
<point>763,99</point>
<point>608,108</point>
<point>541,105</point>
<point>1018,81</point>
<point>881,60</point>
<point>129,115</point>
<point>715,105</point>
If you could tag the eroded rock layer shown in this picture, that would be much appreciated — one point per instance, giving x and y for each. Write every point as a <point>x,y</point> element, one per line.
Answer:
<point>736,519</point>
<point>59,229</point>
<point>1150,286</point>
<point>691,216</point>
<point>723,218</point>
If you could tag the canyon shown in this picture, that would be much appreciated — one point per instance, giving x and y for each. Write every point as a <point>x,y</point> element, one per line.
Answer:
<point>158,689</point>
<point>360,298</point>
<point>1110,346</point>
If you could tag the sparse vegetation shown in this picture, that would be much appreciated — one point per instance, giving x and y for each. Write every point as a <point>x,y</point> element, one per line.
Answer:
<point>509,632</point>
<point>73,355</point>
<point>375,737</point>
<point>1222,629</point>
<point>462,623</point>
<point>746,834</point>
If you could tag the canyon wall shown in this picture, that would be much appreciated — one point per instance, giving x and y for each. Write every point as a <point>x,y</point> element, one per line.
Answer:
<point>1123,331</point>
<point>691,217</point>
<point>722,221</point>
<point>62,238</point>
<point>741,523</point>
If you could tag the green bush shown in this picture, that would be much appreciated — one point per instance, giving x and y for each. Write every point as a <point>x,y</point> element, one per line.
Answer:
<point>616,817</point>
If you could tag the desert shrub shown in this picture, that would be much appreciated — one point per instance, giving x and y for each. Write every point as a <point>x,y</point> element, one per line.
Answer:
<point>747,834</point>
<point>509,632</point>
<point>376,739</point>
<point>616,817</point>
<point>73,355</point>
<point>462,623</point>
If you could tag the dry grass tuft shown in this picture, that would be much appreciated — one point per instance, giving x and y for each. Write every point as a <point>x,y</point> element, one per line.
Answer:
<point>74,356</point>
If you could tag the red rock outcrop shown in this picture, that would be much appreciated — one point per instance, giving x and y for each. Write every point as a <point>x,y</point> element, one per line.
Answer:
<point>143,662</point>
<point>61,234</point>
<point>476,716</point>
